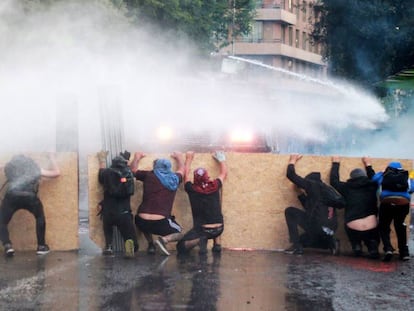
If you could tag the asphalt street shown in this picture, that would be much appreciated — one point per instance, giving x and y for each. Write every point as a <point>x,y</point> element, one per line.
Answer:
<point>233,280</point>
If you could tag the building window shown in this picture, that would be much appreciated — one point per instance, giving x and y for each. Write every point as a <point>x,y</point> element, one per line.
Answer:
<point>304,8</point>
<point>290,5</point>
<point>297,38</point>
<point>256,33</point>
<point>259,4</point>
<point>297,9</point>
<point>304,39</point>
<point>290,36</point>
<point>316,48</point>
<point>283,34</point>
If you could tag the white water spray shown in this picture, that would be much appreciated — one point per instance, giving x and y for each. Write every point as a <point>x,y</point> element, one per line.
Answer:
<point>88,51</point>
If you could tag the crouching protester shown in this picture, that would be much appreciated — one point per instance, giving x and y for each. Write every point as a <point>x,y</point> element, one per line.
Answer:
<point>318,219</point>
<point>115,208</point>
<point>361,209</point>
<point>23,178</point>
<point>395,195</point>
<point>205,200</point>
<point>154,213</point>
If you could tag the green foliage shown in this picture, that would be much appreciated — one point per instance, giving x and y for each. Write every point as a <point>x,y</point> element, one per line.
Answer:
<point>366,40</point>
<point>206,23</point>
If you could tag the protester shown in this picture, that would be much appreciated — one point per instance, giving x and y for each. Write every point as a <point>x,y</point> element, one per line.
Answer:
<point>318,219</point>
<point>115,208</point>
<point>394,197</point>
<point>361,209</point>
<point>23,177</point>
<point>154,213</point>
<point>205,200</point>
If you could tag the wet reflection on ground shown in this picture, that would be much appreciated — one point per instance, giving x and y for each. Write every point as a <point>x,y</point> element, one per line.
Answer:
<point>234,280</point>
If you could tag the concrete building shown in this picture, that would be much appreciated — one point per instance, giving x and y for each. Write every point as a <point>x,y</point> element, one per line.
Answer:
<point>280,37</point>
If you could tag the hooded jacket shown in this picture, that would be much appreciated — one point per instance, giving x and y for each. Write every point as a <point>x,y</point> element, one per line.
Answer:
<point>312,203</point>
<point>360,194</point>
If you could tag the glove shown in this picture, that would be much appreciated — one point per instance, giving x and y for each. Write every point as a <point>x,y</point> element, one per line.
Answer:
<point>219,156</point>
<point>126,155</point>
<point>102,155</point>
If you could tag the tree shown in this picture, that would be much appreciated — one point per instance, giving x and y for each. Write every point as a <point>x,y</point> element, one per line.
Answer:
<point>207,23</point>
<point>365,40</point>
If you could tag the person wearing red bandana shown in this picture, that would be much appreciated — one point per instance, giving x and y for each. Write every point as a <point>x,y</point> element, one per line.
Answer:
<point>205,199</point>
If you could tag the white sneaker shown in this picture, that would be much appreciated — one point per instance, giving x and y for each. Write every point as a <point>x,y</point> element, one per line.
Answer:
<point>162,245</point>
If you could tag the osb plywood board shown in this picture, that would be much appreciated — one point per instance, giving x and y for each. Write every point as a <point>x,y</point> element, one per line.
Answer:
<point>60,200</point>
<point>255,195</point>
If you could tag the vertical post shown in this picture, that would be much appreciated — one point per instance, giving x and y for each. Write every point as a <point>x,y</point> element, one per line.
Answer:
<point>112,139</point>
<point>232,28</point>
<point>67,124</point>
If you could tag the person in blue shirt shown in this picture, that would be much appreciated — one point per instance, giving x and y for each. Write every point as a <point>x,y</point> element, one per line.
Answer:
<point>394,207</point>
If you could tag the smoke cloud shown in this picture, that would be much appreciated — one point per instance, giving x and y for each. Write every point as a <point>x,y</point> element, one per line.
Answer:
<point>89,53</point>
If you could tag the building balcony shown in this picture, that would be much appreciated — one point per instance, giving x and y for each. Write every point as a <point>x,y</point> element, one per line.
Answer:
<point>275,14</point>
<point>274,47</point>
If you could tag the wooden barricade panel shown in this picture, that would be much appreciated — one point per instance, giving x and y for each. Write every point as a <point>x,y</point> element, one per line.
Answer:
<point>255,195</point>
<point>60,200</point>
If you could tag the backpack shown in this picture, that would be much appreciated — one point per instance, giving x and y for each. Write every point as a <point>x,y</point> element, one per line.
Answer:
<point>22,173</point>
<point>395,180</point>
<point>119,182</point>
<point>331,197</point>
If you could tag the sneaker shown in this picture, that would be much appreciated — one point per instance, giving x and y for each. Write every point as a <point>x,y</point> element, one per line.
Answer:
<point>8,250</point>
<point>357,249</point>
<point>335,247</point>
<point>373,254</point>
<point>42,249</point>
<point>216,248</point>
<point>405,257</point>
<point>404,254</point>
<point>163,246</point>
<point>108,251</point>
<point>151,249</point>
<point>294,250</point>
<point>388,256</point>
<point>129,248</point>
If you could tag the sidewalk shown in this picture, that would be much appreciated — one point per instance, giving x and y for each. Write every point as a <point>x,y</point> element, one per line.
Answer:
<point>234,280</point>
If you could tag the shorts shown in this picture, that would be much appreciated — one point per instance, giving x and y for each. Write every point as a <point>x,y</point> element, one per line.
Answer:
<point>161,227</point>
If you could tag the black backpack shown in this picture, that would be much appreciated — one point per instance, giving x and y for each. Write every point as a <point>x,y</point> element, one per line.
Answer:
<point>395,180</point>
<point>119,182</point>
<point>331,197</point>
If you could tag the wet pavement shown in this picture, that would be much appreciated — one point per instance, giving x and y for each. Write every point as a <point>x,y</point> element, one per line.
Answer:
<point>234,280</point>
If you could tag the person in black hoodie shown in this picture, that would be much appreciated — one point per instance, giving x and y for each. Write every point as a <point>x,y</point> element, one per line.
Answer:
<point>318,220</point>
<point>361,209</point>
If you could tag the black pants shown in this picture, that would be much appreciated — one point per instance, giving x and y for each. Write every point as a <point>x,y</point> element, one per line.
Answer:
<point>313,237</point>
<point>197,233</point>
<point>30,202</point>
<point>396,213</point>
<point>124,222</point>
<point>370,238</point>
